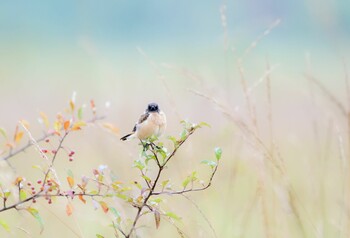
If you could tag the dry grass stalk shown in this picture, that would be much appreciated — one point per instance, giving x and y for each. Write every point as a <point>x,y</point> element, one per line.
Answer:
<point>259,38</point>
<point>161,77</point>
<point>331,97</point>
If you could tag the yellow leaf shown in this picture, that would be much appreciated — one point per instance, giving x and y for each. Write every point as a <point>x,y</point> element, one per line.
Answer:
<point>70,181</point>
<point>57,126</point>
<point>72,105</point>
<point>45,119</point>
<point>69,209</point>
<point>18,180</point>
<point>18,136</point>
<point>111,127</point>
<point>81,197</point>
<point>66,125</point>
<point>104,206</point>
<point>77,126</point>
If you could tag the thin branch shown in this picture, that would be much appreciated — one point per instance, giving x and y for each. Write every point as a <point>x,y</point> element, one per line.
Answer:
<point>29,144</point>
<point>191,189</point>
<point>44,137</point>
<point>39,195</point>
<point>160,169</point>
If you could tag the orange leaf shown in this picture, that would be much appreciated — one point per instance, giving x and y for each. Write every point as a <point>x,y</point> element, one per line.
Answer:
<point>92,104</point>
<point>10,145</point>
<point>66,125</point>
<point>18,180</point>
<point>69,209</point>
<point>70,181</point>
<point>104,206</point>
<point>18,136</point>
<point>81,197</point>
<point>77,126</point>
<point>111,127</point>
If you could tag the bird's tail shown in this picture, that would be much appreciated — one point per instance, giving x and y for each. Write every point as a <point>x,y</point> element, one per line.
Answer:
<point>128,136</point>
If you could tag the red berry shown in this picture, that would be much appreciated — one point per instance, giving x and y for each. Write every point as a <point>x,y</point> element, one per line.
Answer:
<point>33,192</point>
<point>44,151</point>
<point>34,201</point>
<point>53,151</point>
<point>33,188</point>
<point>39,181</point>
<point>50,201</point>
<point>70,159</point>
<point>47,140</point>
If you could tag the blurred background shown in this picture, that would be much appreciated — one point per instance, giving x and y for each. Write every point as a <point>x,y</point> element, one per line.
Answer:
<point>200,61</point>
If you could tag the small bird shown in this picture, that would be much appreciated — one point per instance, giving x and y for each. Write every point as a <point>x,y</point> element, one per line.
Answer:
<point>152,122</point>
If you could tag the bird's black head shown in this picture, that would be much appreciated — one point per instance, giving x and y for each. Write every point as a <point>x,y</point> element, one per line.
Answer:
<point>152,107</point>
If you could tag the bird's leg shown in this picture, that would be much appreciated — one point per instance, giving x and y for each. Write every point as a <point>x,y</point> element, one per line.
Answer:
<point>144,145</point>
<point>156,146</point>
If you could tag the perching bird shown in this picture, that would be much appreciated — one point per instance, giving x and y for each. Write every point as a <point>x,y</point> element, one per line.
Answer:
<point>152,122</point>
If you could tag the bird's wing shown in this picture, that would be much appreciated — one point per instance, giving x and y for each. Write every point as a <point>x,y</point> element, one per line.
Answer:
<point>143,118</point>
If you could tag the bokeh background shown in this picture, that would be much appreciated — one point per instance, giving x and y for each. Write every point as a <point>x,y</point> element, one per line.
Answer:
<point>130,53</point>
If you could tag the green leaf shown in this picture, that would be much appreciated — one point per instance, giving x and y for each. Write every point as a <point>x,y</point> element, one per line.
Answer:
<point>138,164</point>
<point>164,183</point>
<point>186,181</point>
<point>80,113</point>
<point>173,216</point>
<point>218,152</point>
<point>183,134</point>
<point>70,173</point>
<point>194,176</point>
<point>99,236</point>
<point>3,132</point>
<point>116,214</point>
<point>212,164</point>
<point>37,167</point>
<point>123,196</point>
<point>22,195</point>
<point>4,225</point>
<point>37,216</point>
<point>7,193</point>
<point>163,152</point>
<point>201,124</point>
<point>149,157</point>
<point>93,192</point>
<point>174,140</point>
<point>114,211</point>
<point>155,201</point>
<point>146,178</point>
